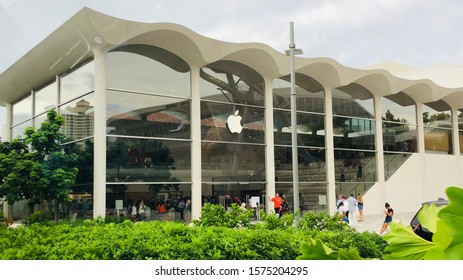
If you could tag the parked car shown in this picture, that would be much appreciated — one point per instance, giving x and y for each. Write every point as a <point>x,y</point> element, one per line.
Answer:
<point>416,225</point>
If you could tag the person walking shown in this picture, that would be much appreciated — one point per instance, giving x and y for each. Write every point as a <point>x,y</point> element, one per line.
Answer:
<point>360,207</point>
<point>389,213</point>
<point>277,200</point>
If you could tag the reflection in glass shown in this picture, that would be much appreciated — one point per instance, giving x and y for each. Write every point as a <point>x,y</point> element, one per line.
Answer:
<point>77,83</point>
<point>147,115</point>
<point>22,110</point>
<point>231,82</point>
<point>162,73</point>
<point>309,93</point>
<point>355,166</point>
<point>148,160</point>
<point>78,118</point>
<point>437,119</point>
<point>312,166</point>
<point>310,129</point>
<point>45,98</point>
<point>39,120</point>
<point>312,196</point>
<point>354,133</point>
<point>392,162</point>
<point>438,140</point>
<point>227,162</point>
<point>353,101</point>
<point>398,108</point>
<point>18,131</point>
<point>216,126</point>
<point>399,137</point>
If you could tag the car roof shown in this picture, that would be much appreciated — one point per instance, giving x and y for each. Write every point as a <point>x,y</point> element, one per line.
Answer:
<point>438,202</point>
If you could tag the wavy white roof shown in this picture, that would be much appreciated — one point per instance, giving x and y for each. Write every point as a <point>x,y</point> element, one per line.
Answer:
<point>73,42</point>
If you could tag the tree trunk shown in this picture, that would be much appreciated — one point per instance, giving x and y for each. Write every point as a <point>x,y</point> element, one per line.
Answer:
<point>9,214</point>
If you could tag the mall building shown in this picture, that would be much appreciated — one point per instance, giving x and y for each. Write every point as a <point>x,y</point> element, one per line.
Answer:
<point>160,112</point>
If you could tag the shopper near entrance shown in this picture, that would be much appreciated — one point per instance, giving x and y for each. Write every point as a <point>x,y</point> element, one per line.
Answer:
<point>277,201</point>
<point>389,213</point>
<point>352,210</point>
<point>360,207</point>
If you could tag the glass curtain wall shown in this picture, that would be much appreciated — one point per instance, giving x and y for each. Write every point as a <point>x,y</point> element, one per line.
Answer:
<point>460,129</point>
<point>354,139</point>
<point>437,119</point>
<point>399,130</point>
<point>232,133</point>
<point>21,116</point>
<point>76,99</point>
<point>311,146</point>
<point>148,133</point>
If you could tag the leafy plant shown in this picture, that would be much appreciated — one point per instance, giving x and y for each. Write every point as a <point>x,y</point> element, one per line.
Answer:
<point>446,223</point>
<point>37,217</point>
<point>316,250</point>
<point>217,215</point>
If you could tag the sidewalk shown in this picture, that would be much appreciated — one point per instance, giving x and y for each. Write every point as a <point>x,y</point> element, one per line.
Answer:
<point>374,222</point>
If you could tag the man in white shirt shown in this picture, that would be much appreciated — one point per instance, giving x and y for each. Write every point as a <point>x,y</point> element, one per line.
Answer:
<point>352,210</point>
<point>345,206</point>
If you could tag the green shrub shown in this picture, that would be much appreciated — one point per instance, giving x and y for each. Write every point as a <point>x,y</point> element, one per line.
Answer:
<point>217,215</point>
<point>321,222</point>
<point>38,217</point>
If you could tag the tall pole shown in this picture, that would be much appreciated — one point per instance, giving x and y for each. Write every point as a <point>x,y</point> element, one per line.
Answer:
<point>295,157</point>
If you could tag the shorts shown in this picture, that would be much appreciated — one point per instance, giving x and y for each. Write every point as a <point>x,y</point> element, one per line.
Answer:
<point>388,219</point>
<point>360,206</point>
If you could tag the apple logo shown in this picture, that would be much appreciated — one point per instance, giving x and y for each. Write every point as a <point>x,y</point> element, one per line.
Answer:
<point>234,123</point>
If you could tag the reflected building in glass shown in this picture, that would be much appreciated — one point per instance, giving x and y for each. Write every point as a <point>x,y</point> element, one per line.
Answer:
<point>161,114</point>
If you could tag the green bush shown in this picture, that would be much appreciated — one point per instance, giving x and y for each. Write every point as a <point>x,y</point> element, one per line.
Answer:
<point>217,215</point>
<point>218,235</point>
<point>38,217</point>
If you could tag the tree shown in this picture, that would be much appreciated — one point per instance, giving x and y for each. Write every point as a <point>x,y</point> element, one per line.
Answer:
<point>20,173</point>
<point>57,166</point>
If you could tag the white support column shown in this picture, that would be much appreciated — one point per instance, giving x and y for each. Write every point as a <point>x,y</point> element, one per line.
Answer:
<point>269,145</point>
<point>7,137</point>
<point>99,157</point>
<point>8,123</point>
<point>421,149</point>
<point>330,163</point>
<point>420,128</point>
<point>196,166</point>
<point>455,138</point>
<point>379,148</point>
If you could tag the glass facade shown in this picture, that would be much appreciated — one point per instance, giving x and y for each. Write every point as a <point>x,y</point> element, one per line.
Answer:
<point>232,132</point>
<point>437,119</point>
<point>399,130</point>
<point>310,117</point>
<point>149,110</point>
<point>148,132</point>
<point>354,133</point>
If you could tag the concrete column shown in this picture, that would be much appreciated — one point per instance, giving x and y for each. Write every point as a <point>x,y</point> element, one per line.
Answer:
<point>196,166</point>
<point>330,163</point>
<point>455,138</point>
<point>7,138</point>
<point>379,148</point>
<point>269,145</point>
<point>421,149</point>
<point>99,160</point>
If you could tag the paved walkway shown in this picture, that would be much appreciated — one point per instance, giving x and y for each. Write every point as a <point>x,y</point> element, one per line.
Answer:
<point>373,222</point>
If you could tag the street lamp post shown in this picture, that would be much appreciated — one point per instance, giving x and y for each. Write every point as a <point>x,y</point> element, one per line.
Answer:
<point>292,52</point>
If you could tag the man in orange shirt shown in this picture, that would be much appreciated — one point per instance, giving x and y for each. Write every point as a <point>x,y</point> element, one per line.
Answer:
<point>277,200</point>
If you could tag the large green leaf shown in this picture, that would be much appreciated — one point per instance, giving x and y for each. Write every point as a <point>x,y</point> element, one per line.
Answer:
<point>405,244</point>
<point>316,250</point>
<point>428,216</point>
<point>452,215</point>
<point>441,238</point>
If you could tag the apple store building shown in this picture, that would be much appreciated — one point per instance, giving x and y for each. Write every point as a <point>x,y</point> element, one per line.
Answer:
<point>162,114</point>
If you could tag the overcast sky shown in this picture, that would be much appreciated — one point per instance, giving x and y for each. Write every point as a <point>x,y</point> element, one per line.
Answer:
<point>356,33</point>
